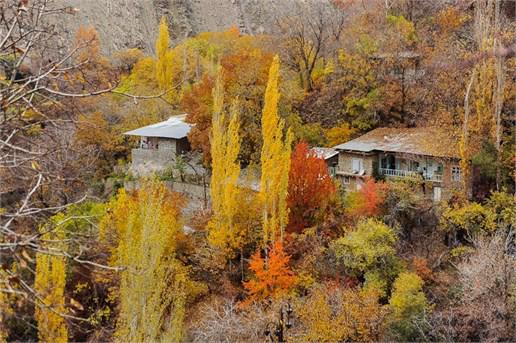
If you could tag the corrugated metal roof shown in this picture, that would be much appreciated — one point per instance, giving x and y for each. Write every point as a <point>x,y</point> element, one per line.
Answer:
<point>429,141</point>
<point>174,127</point>
<point>324,153</point>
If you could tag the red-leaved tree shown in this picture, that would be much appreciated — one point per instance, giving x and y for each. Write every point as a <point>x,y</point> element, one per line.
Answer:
<point>367,202</point>
<point>309,190</point>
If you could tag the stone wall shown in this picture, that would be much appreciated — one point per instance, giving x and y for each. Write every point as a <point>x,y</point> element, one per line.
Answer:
<point>146,161</point>
<point>345,162</point>
<point>198,195</point>
<point>167,144</point>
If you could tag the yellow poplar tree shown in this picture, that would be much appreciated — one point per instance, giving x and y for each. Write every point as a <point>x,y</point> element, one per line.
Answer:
<point>486,88</point>
<point>225,146</point>
<point>154,285</point>
<point>162,55</point>
<point>4,311</point>
<point>275,162</point>
<point>50,282</point>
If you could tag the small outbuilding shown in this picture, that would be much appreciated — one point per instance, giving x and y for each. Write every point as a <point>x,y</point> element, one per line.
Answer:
<point>160,144</point>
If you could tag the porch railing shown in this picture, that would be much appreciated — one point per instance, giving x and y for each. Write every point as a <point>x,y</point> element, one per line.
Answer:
<point>436,177</point>
<point>398,172</point>
<point>410,174</point>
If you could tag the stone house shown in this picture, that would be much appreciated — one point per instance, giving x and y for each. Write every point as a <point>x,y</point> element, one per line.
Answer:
<point>405,65</point>
<point>160,145</point>
<point>427,155</point>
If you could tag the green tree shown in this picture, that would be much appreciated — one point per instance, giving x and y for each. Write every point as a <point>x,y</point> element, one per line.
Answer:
<point>369,251</point>
<point>409,308</point>
<point>470,219</point>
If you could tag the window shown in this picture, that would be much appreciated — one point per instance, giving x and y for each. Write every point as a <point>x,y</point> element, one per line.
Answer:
<point>383,163</point>
<point>455,173</point>
<point>346,180</point>
<point>357,164</point>
<point>414,166</point>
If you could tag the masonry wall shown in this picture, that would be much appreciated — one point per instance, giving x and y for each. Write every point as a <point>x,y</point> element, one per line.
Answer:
<point>148,160</point>
<point>345,175</point>
<point>448,185</point>
<point>198,195</point>
<point>346,164</point>
<point>167,144</point>
<point>349,183</point>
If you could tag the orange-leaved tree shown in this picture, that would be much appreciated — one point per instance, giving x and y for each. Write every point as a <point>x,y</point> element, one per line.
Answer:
<point>245,69</point>
<point>309,187</point>
<point>272,276</point>
<point>198,103</point>
<point>368,200</point>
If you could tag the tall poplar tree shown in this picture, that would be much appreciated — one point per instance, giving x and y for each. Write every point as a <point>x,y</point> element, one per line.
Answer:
<point>162,55</point>
<point>482,122</point>
<point>225,146</point>
<point>275,162</point>
<point>154,284</point>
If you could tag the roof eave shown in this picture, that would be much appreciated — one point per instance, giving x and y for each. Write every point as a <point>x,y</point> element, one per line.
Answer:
<point>395,152</point>
<point>151,135</point>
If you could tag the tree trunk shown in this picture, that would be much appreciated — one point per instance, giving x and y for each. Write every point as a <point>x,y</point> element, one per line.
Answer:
<point>498,93</point>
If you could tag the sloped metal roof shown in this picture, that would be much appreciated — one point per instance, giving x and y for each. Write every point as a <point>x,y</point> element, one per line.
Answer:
<point>429,141</point>
<point>324,153</point>
<point>175,127</point>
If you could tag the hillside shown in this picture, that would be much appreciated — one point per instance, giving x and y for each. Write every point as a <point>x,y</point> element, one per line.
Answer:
<point>132,23</point>
<point>257,171</point>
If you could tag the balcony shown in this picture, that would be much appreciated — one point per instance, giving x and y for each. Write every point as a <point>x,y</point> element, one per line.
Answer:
<point>398,172</point>
<point>341,170</point>
<point>410,174</point>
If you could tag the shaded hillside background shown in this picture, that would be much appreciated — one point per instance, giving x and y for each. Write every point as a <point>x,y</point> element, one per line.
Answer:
<point>86,257</point>
<point>125,24</point>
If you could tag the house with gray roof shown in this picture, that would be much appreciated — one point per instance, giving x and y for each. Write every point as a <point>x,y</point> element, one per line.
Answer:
<point>160,145</point>
<point>427,155</point>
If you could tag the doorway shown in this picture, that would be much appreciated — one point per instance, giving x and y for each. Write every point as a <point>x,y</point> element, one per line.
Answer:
<point>437,194</point>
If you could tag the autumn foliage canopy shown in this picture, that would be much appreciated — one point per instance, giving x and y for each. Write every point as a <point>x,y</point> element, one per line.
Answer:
<point>309,189</point>
<point>272,277</point>
<point>368,200</point>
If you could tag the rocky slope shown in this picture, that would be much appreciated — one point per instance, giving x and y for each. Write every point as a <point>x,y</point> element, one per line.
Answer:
<point>133,23</point>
